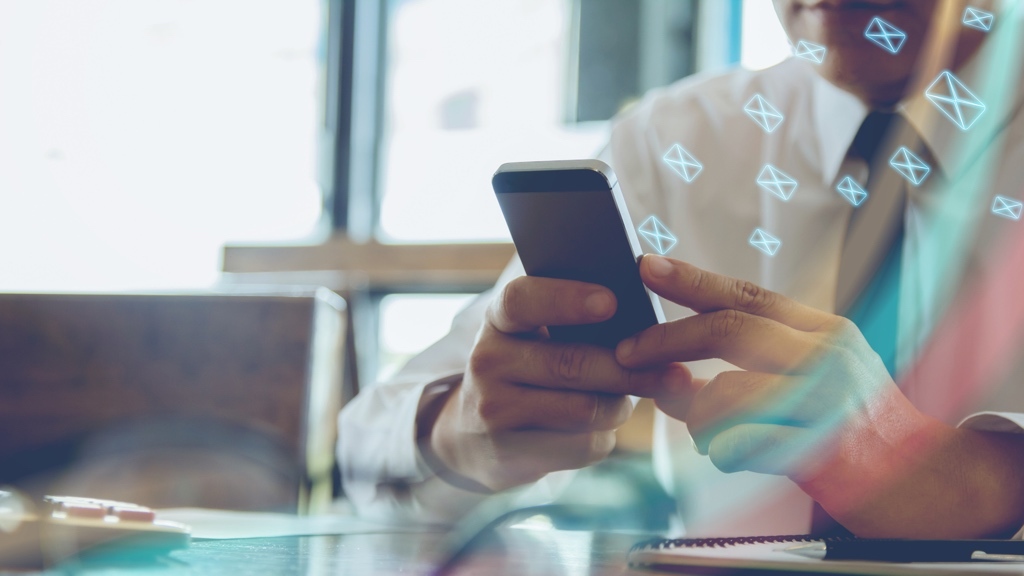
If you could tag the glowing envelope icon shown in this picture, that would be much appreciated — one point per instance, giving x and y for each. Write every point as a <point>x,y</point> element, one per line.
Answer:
<point>885,35</point>
<point>765,242</point>
<point>777,182</point>
<point>682,162</point>
<point>660,239</point>
<point>910,166</point>
<point>953,99</point>
<point>763,113</point>
<point>979,19</point>
<point>852,191</point>
<point>1007,207</point>
<point>810,51</point>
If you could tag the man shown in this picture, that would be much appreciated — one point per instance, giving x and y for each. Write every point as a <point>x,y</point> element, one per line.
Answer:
<point>827,374</point>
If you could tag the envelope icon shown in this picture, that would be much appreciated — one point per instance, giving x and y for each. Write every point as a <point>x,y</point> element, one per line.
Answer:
<point>852,191</point>
<point>1007,207</point>
<point>979,19</point>
<point>910,166</point>
<point>765,242</point>
<point>885,35</point>
<point>683,163</point>
<point>763,113</point>
<point>953,99</point>
<point>777,182</point>
<point>657,235</point>
<point>810,51</point>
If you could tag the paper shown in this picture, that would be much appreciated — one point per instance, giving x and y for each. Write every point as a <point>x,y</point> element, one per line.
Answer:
<point>771,556</point>
<point>225,524</point>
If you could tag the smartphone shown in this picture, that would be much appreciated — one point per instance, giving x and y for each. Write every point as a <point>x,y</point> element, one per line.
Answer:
<point>568,220</point>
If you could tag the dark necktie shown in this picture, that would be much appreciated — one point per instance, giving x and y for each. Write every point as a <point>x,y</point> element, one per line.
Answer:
<point>869,272</point>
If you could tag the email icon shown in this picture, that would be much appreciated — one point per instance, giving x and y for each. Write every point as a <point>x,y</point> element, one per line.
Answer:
<point>763,113</point>
<point>810,51</point>
<point>852,191</point>
<point>657,235</point>
<point>683,163</point>
<point>910,166</point>
<point>777,182</point>
<point>979,19</point>
<point>1007,207</point>
<point>953,99</point>
<point>765,242</point>
<point>885,35</point>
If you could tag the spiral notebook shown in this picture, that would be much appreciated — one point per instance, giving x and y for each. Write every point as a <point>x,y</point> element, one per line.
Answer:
<point>764,554</point>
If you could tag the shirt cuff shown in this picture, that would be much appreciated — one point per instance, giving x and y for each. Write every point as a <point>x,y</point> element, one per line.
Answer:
<point>1005,422</point>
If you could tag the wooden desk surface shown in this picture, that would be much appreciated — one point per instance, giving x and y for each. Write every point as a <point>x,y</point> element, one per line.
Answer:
<point>521,552</point>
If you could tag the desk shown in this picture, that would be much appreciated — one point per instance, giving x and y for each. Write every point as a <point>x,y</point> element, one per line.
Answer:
<point>520,552</point>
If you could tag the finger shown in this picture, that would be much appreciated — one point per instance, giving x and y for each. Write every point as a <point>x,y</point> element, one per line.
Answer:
<point>733,398</point>
<point>583,368</point>
<point>525,457</point>
<point>677,405</point>
<point>529,302</point>
<point>766,449</point>
<point>704,291</point>
<point>745,340</point>
<point>531,408</point>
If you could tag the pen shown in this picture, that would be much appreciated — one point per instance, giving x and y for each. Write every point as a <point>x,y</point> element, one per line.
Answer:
<point>914,550</point>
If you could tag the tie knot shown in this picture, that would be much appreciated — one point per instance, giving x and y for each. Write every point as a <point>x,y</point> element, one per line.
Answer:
<point>873,132</point>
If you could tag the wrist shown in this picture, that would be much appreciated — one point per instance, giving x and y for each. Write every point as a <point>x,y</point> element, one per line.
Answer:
<point>433,447</point>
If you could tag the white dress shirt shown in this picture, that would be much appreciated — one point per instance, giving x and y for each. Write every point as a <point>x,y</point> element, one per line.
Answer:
<point>954,271</point>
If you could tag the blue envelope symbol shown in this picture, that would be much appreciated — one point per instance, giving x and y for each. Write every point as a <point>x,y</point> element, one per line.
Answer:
<point>657,235</point>
<point>810,51</point>
<point>1007,207</point>
<point>763,113</point>
<point>777,182</point>
<point>852,191</point>
<point>910,166</point>
<point>765,242</point>
<point>682,162</point>
<point>953,99</point>
<point>885,35</point>
<point>979,19</point>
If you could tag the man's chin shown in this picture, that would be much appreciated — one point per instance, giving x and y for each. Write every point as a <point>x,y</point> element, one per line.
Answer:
<point>876,83</point>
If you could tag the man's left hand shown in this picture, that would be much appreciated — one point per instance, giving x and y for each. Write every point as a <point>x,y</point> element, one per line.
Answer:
<point>814,402</point>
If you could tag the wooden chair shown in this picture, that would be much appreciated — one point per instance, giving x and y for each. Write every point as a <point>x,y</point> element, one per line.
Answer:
<point>213,400</point>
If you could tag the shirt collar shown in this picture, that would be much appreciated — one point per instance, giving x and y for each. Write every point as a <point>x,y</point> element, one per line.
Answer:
<point>839,114</point>
<point>837,118</point>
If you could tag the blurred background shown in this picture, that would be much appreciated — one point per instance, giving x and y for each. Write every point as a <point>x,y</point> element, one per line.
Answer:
<point>226,146</point>
<point>139,137</point>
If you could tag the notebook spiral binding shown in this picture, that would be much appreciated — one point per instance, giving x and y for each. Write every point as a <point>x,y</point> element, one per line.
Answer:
<point>669,543</point>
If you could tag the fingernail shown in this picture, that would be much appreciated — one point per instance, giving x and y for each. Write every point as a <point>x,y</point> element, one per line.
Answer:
<point>658,267</point>
<point>626,348</point>
<point>598,304</point>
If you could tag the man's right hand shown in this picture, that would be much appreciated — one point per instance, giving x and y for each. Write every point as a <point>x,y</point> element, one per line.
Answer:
<point>527,405</point>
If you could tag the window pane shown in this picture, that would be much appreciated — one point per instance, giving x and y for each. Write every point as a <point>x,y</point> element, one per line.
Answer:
<point>472,84</point>
<point>411,322</point>
<point>137,136</point>
<point>764,41</point>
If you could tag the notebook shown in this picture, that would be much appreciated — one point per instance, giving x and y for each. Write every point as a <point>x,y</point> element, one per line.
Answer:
<point>766,553</point>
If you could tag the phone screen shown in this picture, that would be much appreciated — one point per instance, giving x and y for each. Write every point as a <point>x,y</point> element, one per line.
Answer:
<point>575,231</point>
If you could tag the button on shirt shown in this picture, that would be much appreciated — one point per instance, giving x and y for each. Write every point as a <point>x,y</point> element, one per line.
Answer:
<point>956,316</point>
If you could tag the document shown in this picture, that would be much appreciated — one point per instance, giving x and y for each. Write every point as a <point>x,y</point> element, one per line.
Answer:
<point>225,524</point>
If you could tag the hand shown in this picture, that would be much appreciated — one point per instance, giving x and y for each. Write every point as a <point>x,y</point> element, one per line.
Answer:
<point>528,406</point>
<point>815,404</point>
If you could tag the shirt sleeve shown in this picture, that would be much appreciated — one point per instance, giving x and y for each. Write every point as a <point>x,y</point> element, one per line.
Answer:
<point>1005,422</point>
<point>384,474</point>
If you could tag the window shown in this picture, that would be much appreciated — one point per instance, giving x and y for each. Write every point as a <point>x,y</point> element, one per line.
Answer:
<point>764,42</point>
<point>471,84</point>
<point>411,322</point>
<point>137,137</point>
